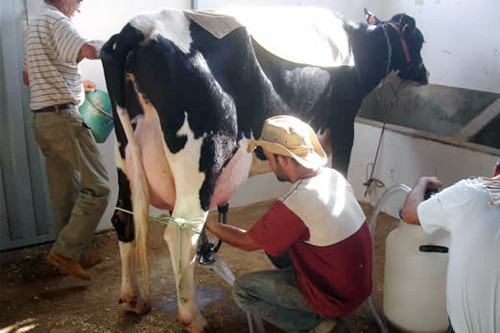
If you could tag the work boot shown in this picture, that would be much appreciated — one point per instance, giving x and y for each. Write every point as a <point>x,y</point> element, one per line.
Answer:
<point>67,265</point>
<point>90,260</point>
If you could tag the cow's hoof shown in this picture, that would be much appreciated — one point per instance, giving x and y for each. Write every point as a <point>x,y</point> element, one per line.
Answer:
<point>193,328</point>
<point>135,304</point>
<point>209,329</point>
<point>196,326</point>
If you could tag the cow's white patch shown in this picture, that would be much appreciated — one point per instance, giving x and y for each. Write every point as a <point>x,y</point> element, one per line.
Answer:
<point>188,179</point>
<point>130,286</point>
<point>120,162</point>
<point>171,24</point>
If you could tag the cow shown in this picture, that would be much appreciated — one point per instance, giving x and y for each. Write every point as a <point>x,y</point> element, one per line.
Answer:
<point>186,103</point>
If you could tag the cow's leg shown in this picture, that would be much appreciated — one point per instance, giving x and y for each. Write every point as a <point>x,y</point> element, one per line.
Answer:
<point>188,207</point>
<point>130,295</point>
<point>342,138</point>
<point>132,229</point>
<point>183,260</point>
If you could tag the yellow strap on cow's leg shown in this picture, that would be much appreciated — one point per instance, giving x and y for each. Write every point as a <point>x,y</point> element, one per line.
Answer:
<point>195,225</point>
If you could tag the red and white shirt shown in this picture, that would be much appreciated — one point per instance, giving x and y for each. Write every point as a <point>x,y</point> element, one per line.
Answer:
<point>323,228</point>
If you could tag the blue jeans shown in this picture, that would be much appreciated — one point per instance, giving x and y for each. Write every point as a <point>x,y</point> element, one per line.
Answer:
<point>275,296</point>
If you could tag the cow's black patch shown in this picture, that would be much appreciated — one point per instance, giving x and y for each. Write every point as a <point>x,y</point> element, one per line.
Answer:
<point>123,222</point>
<point>215,152</point>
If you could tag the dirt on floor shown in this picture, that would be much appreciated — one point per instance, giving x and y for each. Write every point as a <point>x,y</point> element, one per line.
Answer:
<point>34,297</point>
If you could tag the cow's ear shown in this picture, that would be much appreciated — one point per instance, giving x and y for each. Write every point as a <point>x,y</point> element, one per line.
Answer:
<point>407,23</point>
<point>371,19</point>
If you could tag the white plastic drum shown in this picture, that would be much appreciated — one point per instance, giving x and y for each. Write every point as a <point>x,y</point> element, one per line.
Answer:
<point>415,279</point>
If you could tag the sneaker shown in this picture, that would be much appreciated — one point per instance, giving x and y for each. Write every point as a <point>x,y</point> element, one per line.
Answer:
<point>90,260</point>
<point>67,265</point>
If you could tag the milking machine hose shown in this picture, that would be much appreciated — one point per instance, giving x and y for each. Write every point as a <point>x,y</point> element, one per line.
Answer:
<point>379,317</point>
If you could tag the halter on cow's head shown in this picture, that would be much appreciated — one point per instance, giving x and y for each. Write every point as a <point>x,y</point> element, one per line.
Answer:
<point>411,66</point>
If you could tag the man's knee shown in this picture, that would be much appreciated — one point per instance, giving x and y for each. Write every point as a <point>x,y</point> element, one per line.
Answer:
<point>103,191</point>
<point>242,291</point>
<point>100,191</point>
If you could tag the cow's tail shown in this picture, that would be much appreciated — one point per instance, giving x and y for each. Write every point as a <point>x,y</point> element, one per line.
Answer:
<point>140,202</point>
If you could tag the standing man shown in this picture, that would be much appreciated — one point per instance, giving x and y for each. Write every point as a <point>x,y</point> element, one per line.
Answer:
<point>77,178</point>
<point>470,211</point>
<point>316,236</point>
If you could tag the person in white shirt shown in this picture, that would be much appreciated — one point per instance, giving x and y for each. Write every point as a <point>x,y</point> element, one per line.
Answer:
<point>470,211</point>
<point>78,181</point>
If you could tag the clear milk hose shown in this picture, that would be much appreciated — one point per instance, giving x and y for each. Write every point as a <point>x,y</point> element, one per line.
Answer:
<point>372,223</point>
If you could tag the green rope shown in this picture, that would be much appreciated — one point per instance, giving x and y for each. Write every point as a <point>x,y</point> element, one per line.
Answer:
<point>193,224</point>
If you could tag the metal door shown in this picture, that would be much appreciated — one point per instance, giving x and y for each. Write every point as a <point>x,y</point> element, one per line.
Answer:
<point>25,213</point>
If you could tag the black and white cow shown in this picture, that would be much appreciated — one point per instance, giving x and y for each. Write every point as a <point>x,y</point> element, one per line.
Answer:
<point>186,103</point>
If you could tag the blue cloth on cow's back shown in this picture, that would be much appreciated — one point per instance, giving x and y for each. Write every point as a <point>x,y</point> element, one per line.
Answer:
<point>306,35</point>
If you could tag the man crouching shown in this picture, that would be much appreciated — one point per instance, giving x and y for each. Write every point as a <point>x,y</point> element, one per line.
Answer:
<point>316,236</point>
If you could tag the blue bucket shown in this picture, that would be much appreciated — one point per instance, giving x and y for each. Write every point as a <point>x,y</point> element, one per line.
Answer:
<point>96,111</point>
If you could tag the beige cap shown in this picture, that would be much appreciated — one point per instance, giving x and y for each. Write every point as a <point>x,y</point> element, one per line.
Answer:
<point>290,136</point>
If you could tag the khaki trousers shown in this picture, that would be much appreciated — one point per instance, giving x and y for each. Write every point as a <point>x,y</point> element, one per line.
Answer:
<point>77,179</point>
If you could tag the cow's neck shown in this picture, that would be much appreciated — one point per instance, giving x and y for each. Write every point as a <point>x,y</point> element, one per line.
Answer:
<point>371,54</point>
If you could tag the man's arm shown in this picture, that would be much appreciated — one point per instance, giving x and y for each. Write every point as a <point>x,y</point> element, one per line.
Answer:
<point>90,50</point>
<point>232,235</point>
<point>416,196</point>
<point>26,78</point>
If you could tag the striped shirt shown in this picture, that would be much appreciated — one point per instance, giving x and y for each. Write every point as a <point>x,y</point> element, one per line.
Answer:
<point>51,50</point>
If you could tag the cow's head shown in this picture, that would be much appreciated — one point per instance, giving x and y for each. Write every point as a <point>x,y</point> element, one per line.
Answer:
<point>410,66</point>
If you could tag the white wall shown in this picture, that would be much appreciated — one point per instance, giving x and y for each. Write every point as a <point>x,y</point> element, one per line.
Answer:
<point>462,46</point>
<point>404,157</point>
<point>100,19</point>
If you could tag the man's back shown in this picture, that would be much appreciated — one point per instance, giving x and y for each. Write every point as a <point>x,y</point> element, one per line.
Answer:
<point>327,205</point>
<point>322,227</point>
<point>465,211</point>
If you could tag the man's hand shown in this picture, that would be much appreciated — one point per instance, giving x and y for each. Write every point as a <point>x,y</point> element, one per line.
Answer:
<point>26,78</point>
<point>88,86</point>
<point>416,196</point>
<point>232,235</point>
<point>209,225</point>
<point>430,182</point>
<point>91,50</point>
